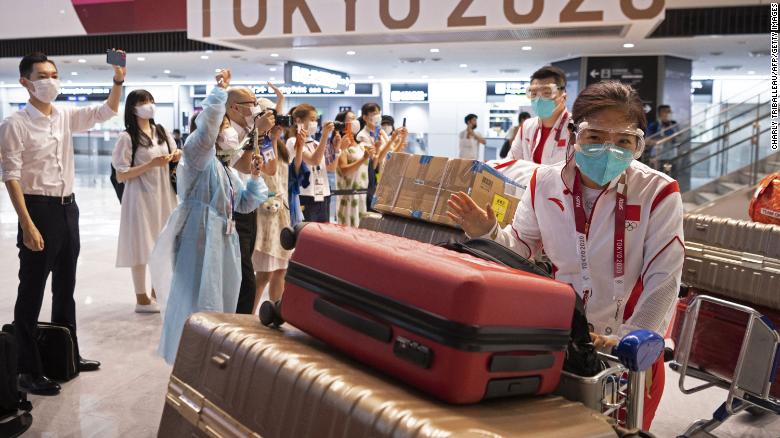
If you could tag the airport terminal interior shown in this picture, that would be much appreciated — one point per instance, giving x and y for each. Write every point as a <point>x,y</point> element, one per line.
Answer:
<point>394,218</point>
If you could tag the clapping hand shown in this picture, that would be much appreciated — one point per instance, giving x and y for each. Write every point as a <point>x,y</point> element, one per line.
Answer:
<point>257,162</point>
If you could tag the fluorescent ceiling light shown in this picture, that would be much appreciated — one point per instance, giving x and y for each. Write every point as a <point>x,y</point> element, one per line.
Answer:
<point>628,45</point>
<point>464,65</point>
<point>434,50</point>
<point>350,52</point>
<point>167,72</point>
<point>527,48</point>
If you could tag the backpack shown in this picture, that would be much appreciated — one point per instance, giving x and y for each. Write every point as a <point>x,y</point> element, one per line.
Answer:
<point>11,399</point>
<point>765,205</point>
<point>119,187</point>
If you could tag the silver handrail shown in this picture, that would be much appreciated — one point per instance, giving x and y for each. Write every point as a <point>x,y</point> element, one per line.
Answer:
<point>705,110</point>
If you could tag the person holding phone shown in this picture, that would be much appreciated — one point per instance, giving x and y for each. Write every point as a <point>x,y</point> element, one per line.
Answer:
<point>36,146</point>
<point>353,167</point>
<point>141,157</point>
<point>269,259</point>
<point>196,263</point>
<point>243,108</point>
<point>315,198</point>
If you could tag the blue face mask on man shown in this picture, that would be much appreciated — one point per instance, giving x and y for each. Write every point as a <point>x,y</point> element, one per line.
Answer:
<point>543,107</point>
<point>605,166</point>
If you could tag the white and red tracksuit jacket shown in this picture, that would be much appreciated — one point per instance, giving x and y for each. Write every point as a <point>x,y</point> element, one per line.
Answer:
<point>528,140</point>
<point>654,248</point>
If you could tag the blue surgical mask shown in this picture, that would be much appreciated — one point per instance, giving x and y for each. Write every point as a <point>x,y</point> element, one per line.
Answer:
<point>543,108</point>
<point>604,167</point>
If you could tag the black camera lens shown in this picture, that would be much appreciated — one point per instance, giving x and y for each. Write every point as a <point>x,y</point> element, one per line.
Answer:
<point>283,121</point>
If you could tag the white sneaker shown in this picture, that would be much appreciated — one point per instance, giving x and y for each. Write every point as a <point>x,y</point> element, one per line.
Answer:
<point>153,307</point>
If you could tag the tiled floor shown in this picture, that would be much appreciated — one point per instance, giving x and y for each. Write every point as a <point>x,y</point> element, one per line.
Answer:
<point>125,398</point>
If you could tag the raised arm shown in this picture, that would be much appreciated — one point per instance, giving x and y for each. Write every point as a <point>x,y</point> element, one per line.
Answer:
<point>200,146</point>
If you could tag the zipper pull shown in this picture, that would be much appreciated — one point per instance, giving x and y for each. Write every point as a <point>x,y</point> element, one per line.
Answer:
<point>617,310</point>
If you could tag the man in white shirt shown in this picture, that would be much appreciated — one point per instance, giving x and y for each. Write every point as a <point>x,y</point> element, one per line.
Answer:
<point>38,170</point>
<point>470,139</point>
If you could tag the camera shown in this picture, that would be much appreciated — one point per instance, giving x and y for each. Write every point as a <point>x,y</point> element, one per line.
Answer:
<point>284,121</point>
<point>339,126</point>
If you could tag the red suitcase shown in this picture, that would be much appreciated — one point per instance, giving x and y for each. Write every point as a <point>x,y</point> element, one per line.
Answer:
<point>455,326</point>
<point>718,337</point>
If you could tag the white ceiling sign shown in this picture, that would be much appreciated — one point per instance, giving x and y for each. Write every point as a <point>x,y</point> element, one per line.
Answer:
<point>278,20</point>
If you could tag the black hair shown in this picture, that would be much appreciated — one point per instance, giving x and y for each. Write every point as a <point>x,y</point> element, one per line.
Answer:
<point>548,71</point>
<point>29,60</point>
<point>367,108</point>
<point>469,117</point>
<point>523,116</point>
<point>663,107</point>
<point>176,131</point>
<point>609,94</point>
<point>370,107</point>
<point>138,137</point>
<point>388,120</point>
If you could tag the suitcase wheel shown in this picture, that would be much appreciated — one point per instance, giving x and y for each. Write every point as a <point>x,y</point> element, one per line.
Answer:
<point>270,314</point>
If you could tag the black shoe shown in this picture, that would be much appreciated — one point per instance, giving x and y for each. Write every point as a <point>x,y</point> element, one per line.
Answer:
<point>40,385</point>
<point>88,365</point>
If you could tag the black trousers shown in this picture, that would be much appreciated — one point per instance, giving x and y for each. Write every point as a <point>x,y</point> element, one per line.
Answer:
<point>314,211</point>
<point>59,227</point>
<point>246,226</point>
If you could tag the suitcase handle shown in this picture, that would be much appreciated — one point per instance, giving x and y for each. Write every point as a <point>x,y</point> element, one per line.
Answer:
<point>350,319</point>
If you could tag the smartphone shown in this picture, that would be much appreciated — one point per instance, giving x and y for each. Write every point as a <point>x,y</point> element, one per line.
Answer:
<point>404,125</point>
<point>299,127</point>
<point>115,57</point>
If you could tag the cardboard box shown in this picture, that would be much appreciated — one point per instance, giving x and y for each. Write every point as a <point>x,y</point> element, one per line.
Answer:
<point>419,186</point>
<point>390,181</point>
<point>484,184</point>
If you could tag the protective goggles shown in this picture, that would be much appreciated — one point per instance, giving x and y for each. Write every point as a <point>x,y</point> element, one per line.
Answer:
<point>547,91</point>
<point>627,143</point>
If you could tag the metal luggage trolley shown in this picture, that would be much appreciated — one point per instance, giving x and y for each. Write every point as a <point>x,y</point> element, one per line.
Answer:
<point>618,390</point>
<point>754,372</point>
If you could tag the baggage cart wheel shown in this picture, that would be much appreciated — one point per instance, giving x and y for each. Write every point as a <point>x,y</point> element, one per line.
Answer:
<point>270,314</point>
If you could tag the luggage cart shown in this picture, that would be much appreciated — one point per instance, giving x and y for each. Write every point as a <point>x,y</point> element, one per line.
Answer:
<point>618,390</point>
<point>754,373</point>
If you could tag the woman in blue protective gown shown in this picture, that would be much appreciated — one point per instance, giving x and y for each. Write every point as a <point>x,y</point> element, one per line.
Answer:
<point>197,254</point>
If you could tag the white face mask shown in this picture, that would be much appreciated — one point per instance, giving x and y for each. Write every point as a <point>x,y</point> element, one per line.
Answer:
<point>355,126</point>
<point>312,127</point>
<point>388,129</point>
<point>377,120</point>
<point>228,140</point>
<point>250,119</point>
<point>145,111</point>
<point>46,90</point>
